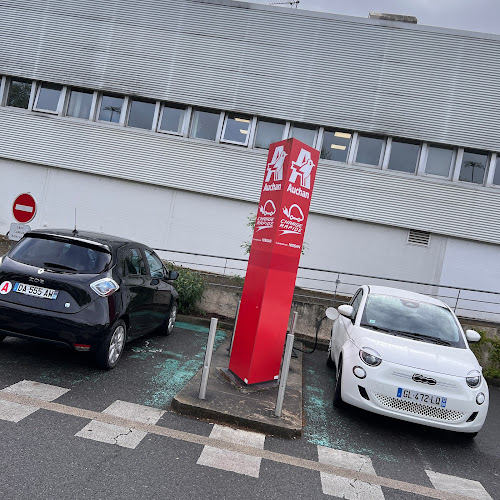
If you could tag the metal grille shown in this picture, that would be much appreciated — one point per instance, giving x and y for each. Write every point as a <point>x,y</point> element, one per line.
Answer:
<point>418,409</point>
<point>419,237</point>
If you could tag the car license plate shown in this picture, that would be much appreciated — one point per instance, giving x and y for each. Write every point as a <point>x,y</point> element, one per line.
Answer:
<point>35,291</point>
<point>421,397</point>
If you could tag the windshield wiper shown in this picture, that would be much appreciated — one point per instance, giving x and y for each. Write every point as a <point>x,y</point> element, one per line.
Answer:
<point>425,338</point>
<point>59,266</point>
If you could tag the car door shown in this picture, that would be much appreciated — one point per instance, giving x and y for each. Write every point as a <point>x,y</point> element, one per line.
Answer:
<point>137,292</point>
<point>162,290</point>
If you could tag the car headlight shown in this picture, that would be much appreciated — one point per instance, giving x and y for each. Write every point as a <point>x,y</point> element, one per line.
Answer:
<point>104,287</point>
<point>369,356</point>
<point>473,379</point>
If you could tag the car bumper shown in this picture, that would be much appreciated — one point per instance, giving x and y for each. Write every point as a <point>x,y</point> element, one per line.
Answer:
<point>86,327</point>
<point>378,392</point>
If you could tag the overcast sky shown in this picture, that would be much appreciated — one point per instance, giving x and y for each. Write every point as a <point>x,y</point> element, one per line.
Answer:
<point>472,15</point>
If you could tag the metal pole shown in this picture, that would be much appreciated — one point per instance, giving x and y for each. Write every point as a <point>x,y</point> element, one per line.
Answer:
<point>285,367</point>
<point>234,329</point>
<point>208,358</point>
<point>456,303</point>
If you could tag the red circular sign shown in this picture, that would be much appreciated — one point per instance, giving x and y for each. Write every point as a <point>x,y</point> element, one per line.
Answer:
<point>24,208</point>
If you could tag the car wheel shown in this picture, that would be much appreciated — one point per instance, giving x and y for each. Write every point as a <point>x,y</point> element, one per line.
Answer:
<point>111,349</point>
<point>329,361</point>
<point>168,327</point>
<point>337,394</point>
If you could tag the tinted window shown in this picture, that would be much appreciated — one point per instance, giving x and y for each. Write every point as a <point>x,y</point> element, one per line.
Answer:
<point>60,256</point>
<point>48,97</point>
<point>473,167</point>
<point>141,114</point>
<point>439,161</point>
<point>236,128</point>
<point>19,94</point>
<point>304,133</point>
<point>399,316</point>
<point>204,124</point>
<point>172,118</point>
<point>369,150</point>
<point>79,105</point>
<point>404,156</point>
<point>111,108</point>
<point>335,145</point>
<point>355,303</point>
<point>155,265</point>
<point>496,177</point>
<point>133,262</point>
<point>267,133</point>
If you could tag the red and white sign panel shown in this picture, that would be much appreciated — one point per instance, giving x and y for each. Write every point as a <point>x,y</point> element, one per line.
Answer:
<point>274,259</point>
<point>24,208</point>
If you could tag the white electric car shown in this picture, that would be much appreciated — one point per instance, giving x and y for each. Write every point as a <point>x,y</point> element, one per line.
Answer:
<point>405,355</point>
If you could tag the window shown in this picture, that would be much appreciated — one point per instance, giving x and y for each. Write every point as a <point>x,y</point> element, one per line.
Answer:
<point>155,265</point>
<point>369,150</point>
<point>473,166</point>
<point>439,161</point>
<point>111,108</point>
<point>236,129</point>
<point>204,124</point>
<point>47,97</point>
<point>80,103</point>
<point>172,118</point>
<point>133,262</point>
<point>404,156</point>
<point>304,133</point>
<point>141,114</point>
<point>268,132</point>
<point>335,145</point>
<point>496,176</point>
<point>355,303</point>
<point>19,93</point>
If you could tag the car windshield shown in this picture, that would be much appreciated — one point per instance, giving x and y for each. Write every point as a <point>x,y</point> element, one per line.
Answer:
<point>60,256</point>
<point>412,319</point>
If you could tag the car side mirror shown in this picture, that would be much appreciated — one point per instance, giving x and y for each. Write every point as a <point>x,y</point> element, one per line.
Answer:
<point>172,275</point>
<point>346,310</point>
<point>472,336</point>
<point>331,313</point>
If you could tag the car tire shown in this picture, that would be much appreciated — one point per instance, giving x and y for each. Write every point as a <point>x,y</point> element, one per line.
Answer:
<point>168,326</point>
<point>329,361</point>
<point>337,393</point>
<point>110,351</point>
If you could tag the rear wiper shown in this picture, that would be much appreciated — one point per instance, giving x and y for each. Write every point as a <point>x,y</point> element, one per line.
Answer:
<point>59,266</point>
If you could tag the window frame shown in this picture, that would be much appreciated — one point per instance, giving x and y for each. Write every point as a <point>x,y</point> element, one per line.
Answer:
<point>216,140</point>
<point>384,158</point>
<point>60,101</point>
<point>224,126</point>
<point>458,167</point>
<point>129,109</point>
<point>309,126</point>
<point>494,163</point>
<point>122,111</point>
<point>93,102</point>
<point>284,135</point>
<point>8,84</point>
<point>321,137</point>
<point>388,152</point>
<point>424,155</point>
<point>184,124</point>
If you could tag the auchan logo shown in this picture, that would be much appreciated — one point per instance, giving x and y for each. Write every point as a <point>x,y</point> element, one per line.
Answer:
<point>275,166</point>
<point>301,170</point>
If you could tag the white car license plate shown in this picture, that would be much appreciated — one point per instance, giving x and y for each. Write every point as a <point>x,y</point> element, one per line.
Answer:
<point>35,291</point>
<point>421,397</point>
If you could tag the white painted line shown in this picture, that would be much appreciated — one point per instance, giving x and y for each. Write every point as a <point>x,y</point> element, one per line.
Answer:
<point>233,461</point>
<point>24,208</point>
<point>115,434</point>
<point>343,487</point>
<point>458,485</point>
<point>15,412</point>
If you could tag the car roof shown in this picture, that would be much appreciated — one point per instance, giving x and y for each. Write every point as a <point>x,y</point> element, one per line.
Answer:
<point>405,294</point>
<point>85,236</point>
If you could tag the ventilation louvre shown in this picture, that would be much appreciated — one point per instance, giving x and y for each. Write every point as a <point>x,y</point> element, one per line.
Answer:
<point>421,238</point>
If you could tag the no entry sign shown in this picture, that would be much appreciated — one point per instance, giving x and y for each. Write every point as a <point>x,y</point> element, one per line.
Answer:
<point>24,208</point>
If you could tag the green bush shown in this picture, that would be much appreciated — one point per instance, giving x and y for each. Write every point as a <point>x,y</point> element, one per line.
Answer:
<point>488,348</point>
<point>190,286</point>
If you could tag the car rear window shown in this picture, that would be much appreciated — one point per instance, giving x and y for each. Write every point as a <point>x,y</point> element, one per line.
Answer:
<point>60,256</point>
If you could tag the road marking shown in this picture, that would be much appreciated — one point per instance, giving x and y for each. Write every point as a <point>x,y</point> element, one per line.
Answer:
<point>458,485</point>
<point>189,437</point>
<point>126,437</point>
<point>343,487</point>
<point>15,412</point>
<point>233,461</point>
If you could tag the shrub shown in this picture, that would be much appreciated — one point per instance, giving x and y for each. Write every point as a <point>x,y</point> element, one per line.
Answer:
<point>190,286</point>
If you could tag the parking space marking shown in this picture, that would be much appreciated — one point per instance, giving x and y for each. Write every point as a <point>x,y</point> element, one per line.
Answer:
<point>126,437</point>
<point>458,485</point>
<point>233,461</point>
<point>15,412</point>
<point>198,439</point>
<point>343,487</point>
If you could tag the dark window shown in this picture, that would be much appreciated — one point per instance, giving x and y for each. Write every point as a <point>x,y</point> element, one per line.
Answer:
<point>369,150</point>
<point>155,265</point>
<point>111,108</point>
<point>473,167</point>
<point>204,124</point>
<point>335,145</point>
<point>172,118</point>
<point>267,133</point>
<point>133,262</point>
<point>19,93</point>
<point>404,156</point>
<point>355,303</point>
<point>496,177</point>
<point>80,102</point>
<point>141,114</point>
<point>236,128</point>
<point>47,98</point>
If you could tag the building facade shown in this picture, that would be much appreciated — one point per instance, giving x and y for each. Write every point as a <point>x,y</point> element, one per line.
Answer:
<point>153,120</point>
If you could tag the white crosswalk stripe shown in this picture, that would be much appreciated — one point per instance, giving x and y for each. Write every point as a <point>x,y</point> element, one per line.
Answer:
<point>342,487</point>
<point>458,485</point>
<point>121,436</point>
<point>15,412</point>
<point>233,461</point>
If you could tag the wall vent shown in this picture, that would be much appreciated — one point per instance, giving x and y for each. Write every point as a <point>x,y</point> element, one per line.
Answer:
<point>419,237</point>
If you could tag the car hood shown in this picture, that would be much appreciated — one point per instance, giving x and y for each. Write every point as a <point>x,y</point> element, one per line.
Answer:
<point>417,354</point>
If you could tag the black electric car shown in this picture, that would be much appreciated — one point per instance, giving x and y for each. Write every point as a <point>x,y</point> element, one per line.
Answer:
<point>90,291</point>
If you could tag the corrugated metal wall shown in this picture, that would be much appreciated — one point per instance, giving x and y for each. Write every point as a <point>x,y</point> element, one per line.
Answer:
<point>365,194</point>
<point>403,80</point>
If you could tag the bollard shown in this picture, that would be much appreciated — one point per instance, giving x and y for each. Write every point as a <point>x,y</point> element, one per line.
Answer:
<point>208,358</point>
<point>285,367</point>
<point>234,329</point>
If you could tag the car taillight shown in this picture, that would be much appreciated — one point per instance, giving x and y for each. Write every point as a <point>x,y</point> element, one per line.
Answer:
<point>104,287</point>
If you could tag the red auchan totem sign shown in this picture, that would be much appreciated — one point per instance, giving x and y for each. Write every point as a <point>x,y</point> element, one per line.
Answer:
<point>273,262</point>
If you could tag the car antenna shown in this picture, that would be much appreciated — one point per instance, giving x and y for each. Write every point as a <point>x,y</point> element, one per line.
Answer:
<point>75,231</point>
